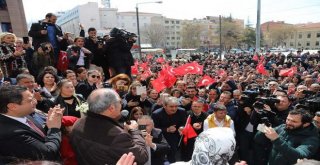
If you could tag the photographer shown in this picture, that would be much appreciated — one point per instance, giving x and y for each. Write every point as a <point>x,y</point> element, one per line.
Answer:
<point>78,55</point>
<point>44,56</point>
<point>263,113</point>
<point>117,51</point>
<point>157,145</point>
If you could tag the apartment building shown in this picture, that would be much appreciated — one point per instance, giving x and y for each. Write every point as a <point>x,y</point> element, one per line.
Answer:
<point>12,17</point>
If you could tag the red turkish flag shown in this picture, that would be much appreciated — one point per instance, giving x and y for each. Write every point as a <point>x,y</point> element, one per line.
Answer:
<point>288,72</point>
<point>260,68</point>
<point>188,131</point>
<point>147,72</point>
<point>134,70</point>
<point>205,81</point>
<point>158,84</point>
<point>169,78</point>
<point>149,56</point>
<point>221,72</point>
<point>189,68</point>
<point>144,66</point>
<point>255,58</point>
<point>160,60</point>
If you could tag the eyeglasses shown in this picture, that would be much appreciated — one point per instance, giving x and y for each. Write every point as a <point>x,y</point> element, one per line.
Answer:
<point>94,76</point>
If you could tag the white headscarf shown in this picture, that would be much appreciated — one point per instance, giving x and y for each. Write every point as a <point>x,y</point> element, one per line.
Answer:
<point>214,146</point>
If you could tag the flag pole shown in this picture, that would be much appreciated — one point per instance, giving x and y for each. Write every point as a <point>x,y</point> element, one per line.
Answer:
<point>183,128</point>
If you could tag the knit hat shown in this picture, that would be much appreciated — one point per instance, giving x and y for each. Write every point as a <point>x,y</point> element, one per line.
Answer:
<point>68,120</point>
<point>214,146</point>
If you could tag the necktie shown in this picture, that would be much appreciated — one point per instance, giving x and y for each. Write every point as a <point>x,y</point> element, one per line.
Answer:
<point>35,128</point>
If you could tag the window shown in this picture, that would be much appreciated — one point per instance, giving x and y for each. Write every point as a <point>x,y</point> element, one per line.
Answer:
<point>178,27</point>
<point>166,22</point>
<point>308,43</point>
<point>172,22</point>
<point>318,35</point>
<point>177,22</point>
<point>6,27</point>
<point>300,35</point>
<point>317,43</point>
<point>292,36</point>
<point>173,38</point>
<point>168,38</point>
<point>167,43</point>
<point>291,43</point>
<point>299,44</point>
<point>309,35</point>
<point>178,33</point>
<point>178,38</point>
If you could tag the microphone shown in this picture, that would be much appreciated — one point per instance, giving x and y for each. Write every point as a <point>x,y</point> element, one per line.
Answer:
<point>125,116</point>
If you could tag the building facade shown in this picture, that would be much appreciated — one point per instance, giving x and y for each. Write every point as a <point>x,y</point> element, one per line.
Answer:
<point>303,36</point>
<point>12,17</point>
<point>307,37</point>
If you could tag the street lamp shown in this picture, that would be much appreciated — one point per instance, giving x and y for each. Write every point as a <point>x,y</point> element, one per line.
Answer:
<point>138,28</point>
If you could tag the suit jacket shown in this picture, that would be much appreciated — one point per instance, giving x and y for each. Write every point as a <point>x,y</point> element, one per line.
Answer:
<point>18,140</point>
<point>159,155</point>
<point>99,140</point>
<point>38,38</point>
<point>162,120</point>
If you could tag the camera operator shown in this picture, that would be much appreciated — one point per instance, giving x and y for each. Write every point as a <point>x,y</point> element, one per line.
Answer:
<point>273,114</point>
<point>117,51</point>
<point>296,139</point>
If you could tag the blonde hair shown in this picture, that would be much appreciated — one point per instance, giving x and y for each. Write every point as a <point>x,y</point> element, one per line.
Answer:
<point>2,35</point>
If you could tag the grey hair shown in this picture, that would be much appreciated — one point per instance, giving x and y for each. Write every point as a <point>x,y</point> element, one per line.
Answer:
<point>146,117</point>
<point>101,99</point>
<point>24,76</point>
<point>171,99</point>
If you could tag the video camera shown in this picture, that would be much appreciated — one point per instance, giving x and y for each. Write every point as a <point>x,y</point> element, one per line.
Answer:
<point>121,33</point>
<point>311,104</point>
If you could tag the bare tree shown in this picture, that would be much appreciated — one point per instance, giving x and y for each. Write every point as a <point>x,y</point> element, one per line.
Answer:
<point>155,34</point>
<point>191,35</point>
<point>278,36</point>
<point>231,33</point>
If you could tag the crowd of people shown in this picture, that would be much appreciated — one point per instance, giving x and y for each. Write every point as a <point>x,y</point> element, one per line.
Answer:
<point>88,101</point>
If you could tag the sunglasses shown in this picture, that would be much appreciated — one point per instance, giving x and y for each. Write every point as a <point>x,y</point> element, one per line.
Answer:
<point>94,76</point>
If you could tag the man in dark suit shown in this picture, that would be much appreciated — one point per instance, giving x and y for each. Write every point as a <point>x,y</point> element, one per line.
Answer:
<point>157,144</point>
<point>98,138</point>
<point>20,136</point>
<point>48,31</point>
<point>169,119</point>
<point>197,118</point>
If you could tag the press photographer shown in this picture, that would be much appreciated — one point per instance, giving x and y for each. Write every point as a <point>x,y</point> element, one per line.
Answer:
<point>117,51</point>
<point>271,111</point>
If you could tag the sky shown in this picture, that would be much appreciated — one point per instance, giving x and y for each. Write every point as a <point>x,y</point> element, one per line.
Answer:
<point>290,11</point>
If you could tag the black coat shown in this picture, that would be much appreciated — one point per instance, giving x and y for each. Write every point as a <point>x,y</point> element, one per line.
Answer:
<point>162,121</point>
<point>117,51</point>
<point>17,140</point>
<point>99,140</point>
<point>38,38</point>
<point>70,110</point>
<point>158,156</point>
<point>73,60</point>
<point>84,88</point>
